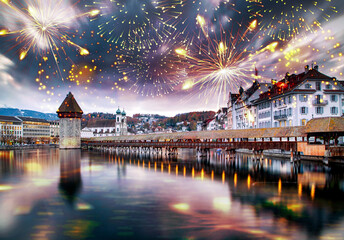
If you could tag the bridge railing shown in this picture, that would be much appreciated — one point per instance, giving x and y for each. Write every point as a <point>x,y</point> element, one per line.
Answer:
<point>257,145</point>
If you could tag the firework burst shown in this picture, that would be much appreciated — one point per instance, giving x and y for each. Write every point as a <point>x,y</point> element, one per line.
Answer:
<point>292,18</point>
<point>220,64</point>
<point>41,26</point>
<point>134,23</point>
<point>154,71</point>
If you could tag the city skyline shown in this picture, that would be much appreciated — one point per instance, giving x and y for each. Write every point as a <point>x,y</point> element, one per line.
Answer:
<point>186,60</point>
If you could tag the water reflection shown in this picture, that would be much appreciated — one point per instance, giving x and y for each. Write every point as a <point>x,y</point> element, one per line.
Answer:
<point>139,196</point>
<point>70,175</point>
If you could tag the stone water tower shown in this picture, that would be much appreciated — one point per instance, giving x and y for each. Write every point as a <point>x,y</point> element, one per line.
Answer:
<point>70,115</point>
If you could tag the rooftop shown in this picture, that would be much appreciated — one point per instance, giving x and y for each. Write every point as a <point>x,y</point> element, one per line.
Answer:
<point>8,119</point>
<point>290,82</point>
<point>69,105</point>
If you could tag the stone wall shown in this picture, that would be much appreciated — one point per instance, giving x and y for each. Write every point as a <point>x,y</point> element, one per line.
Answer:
<point>70,133</point>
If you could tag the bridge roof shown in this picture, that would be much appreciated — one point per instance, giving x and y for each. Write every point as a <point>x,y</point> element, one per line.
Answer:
<point>325,125</point>
<point>242,133</point>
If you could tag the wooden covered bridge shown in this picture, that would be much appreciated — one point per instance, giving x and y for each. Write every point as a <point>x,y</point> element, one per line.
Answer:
<point>318,138</point>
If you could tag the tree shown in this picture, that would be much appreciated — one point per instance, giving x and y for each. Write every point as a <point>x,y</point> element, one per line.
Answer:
<point>193,125</point>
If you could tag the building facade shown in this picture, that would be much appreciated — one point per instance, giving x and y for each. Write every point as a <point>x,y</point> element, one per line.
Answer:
<point>296,99</point>
<point>35,130</point>
<point>11,130</point>
<point>292,101</point>
<point>243,110</point>
<point>107,127</point>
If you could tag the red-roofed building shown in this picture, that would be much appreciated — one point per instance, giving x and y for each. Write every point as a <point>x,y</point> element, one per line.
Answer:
<point>296,99</point>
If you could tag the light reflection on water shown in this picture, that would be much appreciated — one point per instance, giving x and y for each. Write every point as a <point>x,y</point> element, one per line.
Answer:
<point>47,193</point>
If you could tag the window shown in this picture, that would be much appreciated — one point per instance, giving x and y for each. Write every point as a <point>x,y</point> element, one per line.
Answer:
<point>318,86</point>
<point>289,99</point>
<point>334,98</point>
<point>289,111</point>
<point>319,110</point>
<point>334,110</point>
<point>308,86</point>
<point>303,110</point>
<point>117,119</point>
<point>275,124</point>
<point>303,98</point>
<point>303,122</point>
<point>318,99</point>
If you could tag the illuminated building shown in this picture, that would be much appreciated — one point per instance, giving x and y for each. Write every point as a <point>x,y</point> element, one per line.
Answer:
<point>35,130</point>
<point>292,101</point>
<point>10,129</point>
<point>244,111</point>
<point>108,127</point>
<point>70,115</point>
<point>296,99</point>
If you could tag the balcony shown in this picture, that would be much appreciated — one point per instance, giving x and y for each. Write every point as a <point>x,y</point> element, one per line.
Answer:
<point>281,117</point>
<point>320,102</point>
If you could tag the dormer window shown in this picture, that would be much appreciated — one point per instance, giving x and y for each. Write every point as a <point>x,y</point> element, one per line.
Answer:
<point>328,86</point>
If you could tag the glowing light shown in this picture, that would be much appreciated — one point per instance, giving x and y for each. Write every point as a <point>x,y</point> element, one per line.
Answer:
<point>84,51</point>
<point>94,12</point>
<point>222,204</point>
<point>181,206</point>
<point>235,179</point>
<point>5,187</point>
<point>248,181</point>
<point>279,186</point>
<point>181,51</point>
<point>3,32</point>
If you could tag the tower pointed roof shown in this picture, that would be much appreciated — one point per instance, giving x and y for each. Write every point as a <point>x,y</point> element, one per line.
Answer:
<point>69,106</point>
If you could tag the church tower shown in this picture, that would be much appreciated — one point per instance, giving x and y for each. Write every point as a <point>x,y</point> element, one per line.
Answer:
<point>70,115</point>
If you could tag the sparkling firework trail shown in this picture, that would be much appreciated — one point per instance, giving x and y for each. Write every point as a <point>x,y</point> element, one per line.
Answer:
<point>41,26</point>
<point>283,19</point>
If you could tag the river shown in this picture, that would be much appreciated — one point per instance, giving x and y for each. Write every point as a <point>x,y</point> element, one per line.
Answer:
<point>74,194</point>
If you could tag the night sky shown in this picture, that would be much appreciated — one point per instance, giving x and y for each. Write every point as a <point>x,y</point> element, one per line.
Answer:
<point>161,56</point>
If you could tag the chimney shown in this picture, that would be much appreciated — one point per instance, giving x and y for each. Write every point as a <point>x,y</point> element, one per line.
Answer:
<point>306,68</point>
<point>316,67</point>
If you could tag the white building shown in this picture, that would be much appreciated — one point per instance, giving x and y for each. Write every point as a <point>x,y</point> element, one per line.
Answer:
<point>87,133</point>
<point>243,110</point>
<point>108,127</point>
<point>11,129</point>
<point>296,99</point>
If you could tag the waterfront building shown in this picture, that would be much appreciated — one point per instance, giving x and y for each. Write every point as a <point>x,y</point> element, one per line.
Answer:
<point>231,100</point>
<point>108,127</point>
<point>54,129</point>
<point>70,115</point>
<point>86,133</point>
<point>10,130</point>
<point>243,108</point>
<point>35,130</point>
<point>292,101</point>
<point>296,99</point>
